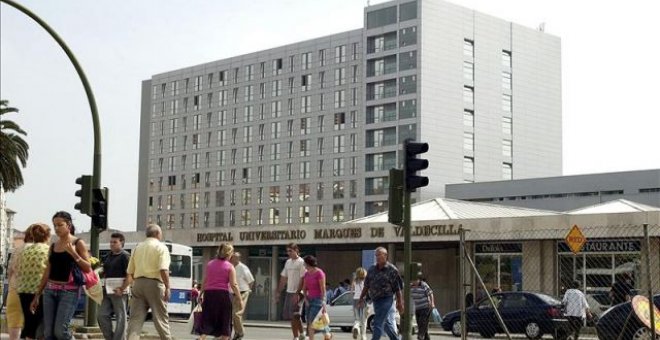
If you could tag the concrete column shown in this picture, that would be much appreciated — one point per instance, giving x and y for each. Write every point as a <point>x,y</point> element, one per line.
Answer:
<point>275,279</point>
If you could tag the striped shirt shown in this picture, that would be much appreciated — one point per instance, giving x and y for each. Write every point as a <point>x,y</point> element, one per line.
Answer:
<point>420,295</point>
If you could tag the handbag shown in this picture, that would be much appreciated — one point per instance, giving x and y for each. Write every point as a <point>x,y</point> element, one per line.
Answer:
<point>197,320</point>
<point>78,276</point>
<point>321,321</point>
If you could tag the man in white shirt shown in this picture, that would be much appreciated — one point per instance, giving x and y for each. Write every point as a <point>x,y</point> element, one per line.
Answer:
<point>576,308</point>
<point>294,270</point>
<point>245,282</point>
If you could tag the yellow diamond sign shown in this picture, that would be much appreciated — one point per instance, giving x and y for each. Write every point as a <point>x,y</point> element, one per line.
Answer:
<point>575,239</point>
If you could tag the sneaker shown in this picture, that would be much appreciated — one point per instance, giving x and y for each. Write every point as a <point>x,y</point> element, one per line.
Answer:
<point>356,332</point>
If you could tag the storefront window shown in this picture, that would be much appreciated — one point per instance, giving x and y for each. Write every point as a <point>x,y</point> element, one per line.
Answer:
<point>500,266</point>
<point>599,265</point>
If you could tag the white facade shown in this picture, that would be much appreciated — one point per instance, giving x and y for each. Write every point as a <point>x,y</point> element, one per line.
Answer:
<point>306,133</point>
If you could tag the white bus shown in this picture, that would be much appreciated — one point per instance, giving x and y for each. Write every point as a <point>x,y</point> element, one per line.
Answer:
<point>181,275</point>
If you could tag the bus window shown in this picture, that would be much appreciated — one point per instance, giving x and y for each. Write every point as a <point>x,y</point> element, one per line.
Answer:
<point>180,266</point>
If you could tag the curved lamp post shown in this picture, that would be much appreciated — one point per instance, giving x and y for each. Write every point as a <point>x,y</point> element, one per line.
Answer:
<point>90,317</point>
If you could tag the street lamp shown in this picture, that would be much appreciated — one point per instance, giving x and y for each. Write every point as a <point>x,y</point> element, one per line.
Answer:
<point>90,317</point>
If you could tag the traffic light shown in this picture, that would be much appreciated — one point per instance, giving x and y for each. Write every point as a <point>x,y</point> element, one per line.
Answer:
<point>414,164</point>
<point>415,271</point>
<point>85,194</point>
<point>395,199</point>
<point>100,209</point>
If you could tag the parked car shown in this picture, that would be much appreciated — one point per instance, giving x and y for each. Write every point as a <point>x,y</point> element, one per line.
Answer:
<point>522,312</point>
<point>340,311</point>
<point>612,323</point>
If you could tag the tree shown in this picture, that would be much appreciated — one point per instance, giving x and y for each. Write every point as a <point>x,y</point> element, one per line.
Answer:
<point>13,150</point>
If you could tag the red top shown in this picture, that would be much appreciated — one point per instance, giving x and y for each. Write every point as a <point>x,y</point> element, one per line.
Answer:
<point>313,283</point>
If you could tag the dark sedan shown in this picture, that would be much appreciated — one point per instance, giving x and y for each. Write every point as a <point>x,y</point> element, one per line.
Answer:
<point>623,320</point>
<point>523,313</point>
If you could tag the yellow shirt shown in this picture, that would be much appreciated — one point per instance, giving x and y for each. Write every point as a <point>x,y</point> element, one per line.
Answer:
<point>148,259</point>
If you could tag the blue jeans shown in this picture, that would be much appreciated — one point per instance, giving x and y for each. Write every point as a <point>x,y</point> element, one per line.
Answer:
<point>384,319</point>
<point>117,305</point>
<point>59,307</point>
<point>313,308</point>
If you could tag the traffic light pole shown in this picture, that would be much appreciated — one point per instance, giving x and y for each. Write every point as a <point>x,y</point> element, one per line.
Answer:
<point>407,255</point>
<point>90,317</point>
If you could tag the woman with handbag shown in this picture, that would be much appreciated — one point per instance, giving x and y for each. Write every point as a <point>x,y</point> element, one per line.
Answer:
<point>62,280</point>
<point>312,287</point>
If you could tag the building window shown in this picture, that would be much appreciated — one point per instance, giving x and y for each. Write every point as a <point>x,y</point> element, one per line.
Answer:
<point>468,49</point>
<point>506,58</point>
<point>468,95</point>
<point>507,171</point>
<point>506,103</point>
<point>468,119</point>
<point>340,54</point>
<point>306,60</point>
<point>468,70</point>
<point>468,169</point>
<point>506,80</point>
<point>322,57</point>
<point>500,265</point>
<point>468,141</point>
<point>337,213</point>
<point>507,125</point>
<point>507,148</point>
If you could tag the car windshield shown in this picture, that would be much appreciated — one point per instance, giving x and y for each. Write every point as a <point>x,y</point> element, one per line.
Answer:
<point>548,299</point>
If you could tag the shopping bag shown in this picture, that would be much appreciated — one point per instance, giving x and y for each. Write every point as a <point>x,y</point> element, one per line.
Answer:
<point>197,320</point>
<point>93,287</point>
<point>321,321</point>
<point>437,318</point>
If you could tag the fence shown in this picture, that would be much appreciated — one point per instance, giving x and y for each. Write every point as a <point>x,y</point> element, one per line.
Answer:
<point>526,286</point>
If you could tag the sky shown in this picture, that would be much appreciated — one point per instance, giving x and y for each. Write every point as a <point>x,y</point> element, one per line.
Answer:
<point>611,120</point>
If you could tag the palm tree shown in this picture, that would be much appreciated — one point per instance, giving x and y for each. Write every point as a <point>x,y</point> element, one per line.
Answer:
<point>13,150</point>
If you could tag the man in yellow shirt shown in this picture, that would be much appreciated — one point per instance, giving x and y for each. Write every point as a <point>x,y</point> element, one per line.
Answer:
<point>149,269</point>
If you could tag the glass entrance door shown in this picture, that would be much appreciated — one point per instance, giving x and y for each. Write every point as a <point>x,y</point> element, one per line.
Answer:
<point>259,301</point>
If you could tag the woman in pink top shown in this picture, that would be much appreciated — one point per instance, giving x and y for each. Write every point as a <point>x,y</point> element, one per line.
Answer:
<point>313,288</point>
<point>220,276</point>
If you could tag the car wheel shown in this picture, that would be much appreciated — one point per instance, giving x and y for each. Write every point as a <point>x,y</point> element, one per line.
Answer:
<point>533,330</point>
<point>345,329</point>
<point>456,328</point>
<point>642,333</point>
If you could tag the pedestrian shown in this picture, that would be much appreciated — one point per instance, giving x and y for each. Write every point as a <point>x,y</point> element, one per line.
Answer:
<point>194,294</point>
<point>313,289</point>
<point>359,312</point>
<point>576,308</point>
<point>148,271</point>
<point>422,296</point>
<point>329,293</point>
<point>14,311</point>
<point>622,289</point>
<point>469,299</point>
<point>245,282</point>
<point>294,270</point>
<point>115,300</point>
<point>59,288</point>
<point>32,264</point>
<point>383,283</point>
<point>219,278</point>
